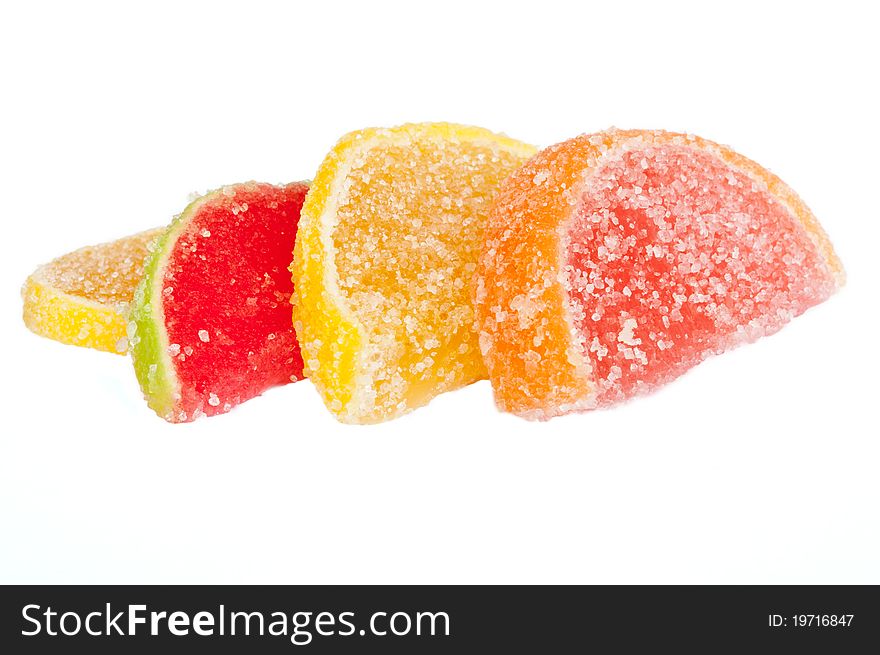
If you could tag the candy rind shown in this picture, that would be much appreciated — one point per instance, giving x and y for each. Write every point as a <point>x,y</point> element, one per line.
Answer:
<point>149,342</point>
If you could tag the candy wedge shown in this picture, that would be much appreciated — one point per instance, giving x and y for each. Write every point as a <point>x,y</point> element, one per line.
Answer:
<point>384,264</point>
<point>615,262</point>
<point>211,321</point>
<point>82,298</point>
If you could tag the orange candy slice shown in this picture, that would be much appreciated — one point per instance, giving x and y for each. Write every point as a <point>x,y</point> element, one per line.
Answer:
<point>82,298</point>
<point>384,262</point>
<point>614,262</point>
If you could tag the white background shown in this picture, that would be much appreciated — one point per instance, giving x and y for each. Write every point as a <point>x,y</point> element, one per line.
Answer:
<point>758,466</point>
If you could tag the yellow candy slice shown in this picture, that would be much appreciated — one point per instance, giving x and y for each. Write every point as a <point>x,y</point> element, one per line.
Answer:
<point>82,297</point>
<point>384,263</point>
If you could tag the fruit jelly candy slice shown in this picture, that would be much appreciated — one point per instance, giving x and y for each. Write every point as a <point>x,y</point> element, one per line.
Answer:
<point>385,260</point>
<point>615,262</point>
<point>211,319</point>
<point>82,298</point>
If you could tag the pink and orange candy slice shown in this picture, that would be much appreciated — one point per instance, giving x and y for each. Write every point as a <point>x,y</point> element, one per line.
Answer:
<point>614,262</point>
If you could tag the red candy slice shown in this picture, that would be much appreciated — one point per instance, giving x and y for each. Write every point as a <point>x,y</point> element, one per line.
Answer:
<point>211,319</point>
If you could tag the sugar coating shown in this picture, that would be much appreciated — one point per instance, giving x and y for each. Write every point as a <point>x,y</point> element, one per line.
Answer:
<point>615,262</point>
<point>82,298</point>
<point>673,256</point>
<point>211,319</point>
<point>385,262</point>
